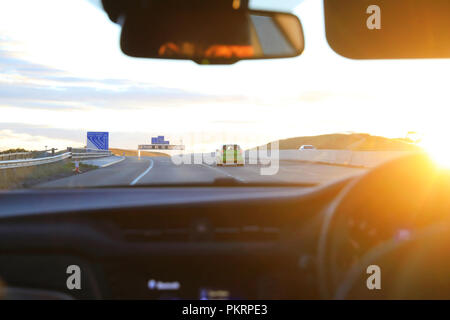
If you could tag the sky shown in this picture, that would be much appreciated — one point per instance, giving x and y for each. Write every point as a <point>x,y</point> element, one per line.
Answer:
<point>62,74</point>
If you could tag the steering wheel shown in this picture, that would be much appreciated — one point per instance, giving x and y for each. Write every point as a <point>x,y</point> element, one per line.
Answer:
<point>395,217</point>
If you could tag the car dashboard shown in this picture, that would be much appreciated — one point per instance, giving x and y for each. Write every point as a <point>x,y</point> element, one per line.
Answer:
<point>163,243</point>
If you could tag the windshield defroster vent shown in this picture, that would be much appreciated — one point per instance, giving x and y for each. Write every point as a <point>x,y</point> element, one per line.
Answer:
<point>202,232</point>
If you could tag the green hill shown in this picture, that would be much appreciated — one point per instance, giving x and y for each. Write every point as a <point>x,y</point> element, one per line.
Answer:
<point>354,141</point>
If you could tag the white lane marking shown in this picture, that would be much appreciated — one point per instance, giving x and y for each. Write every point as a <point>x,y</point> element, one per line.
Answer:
<point>142,174</point>
<point>111,163</point>
<point>222,172</point>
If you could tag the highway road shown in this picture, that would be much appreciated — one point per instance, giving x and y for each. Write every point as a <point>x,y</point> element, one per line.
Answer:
<point>161,170</point>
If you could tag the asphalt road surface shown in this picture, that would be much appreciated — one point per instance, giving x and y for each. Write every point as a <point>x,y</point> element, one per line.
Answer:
<point>161,170</point>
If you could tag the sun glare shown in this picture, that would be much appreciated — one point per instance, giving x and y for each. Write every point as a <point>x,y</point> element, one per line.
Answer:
<point>437,150</point>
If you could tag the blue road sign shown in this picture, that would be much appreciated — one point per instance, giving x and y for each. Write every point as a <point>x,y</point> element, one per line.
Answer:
<point>98,140</point>
<point>159,140</point>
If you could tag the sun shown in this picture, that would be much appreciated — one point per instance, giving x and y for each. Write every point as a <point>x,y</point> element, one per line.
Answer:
<point>437,149</point>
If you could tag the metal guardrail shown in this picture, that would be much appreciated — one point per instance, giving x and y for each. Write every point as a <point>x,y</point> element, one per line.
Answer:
<point>45,160</point>
<point>89,155</point>
<point>33,162</point>
<point>15,156</point>
<point>87,150</point>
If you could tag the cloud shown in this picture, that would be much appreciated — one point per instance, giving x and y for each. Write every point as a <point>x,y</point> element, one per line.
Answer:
<point>41,105</point>
<point>12,139</point>
<point>36,130</point>
<point>77,97</point>
<point>25,84</point>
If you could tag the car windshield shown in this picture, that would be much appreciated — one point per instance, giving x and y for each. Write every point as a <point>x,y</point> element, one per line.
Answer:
<point>77,112</point>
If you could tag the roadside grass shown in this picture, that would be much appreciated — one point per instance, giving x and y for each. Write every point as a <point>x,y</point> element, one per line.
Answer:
<point>17,178</point>
<point>134,153</point>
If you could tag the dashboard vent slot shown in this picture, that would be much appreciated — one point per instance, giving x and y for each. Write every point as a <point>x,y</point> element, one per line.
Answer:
<point>198,228</point>
<point>247,233</point>
<point>150,235</point>
<point>217,234</point>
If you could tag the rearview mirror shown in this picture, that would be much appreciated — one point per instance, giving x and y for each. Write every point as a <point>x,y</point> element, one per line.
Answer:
<point>388,29</point>
<point>207,33</point>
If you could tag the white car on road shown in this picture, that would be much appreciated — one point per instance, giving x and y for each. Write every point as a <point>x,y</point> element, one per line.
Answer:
<point>307,147</point>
